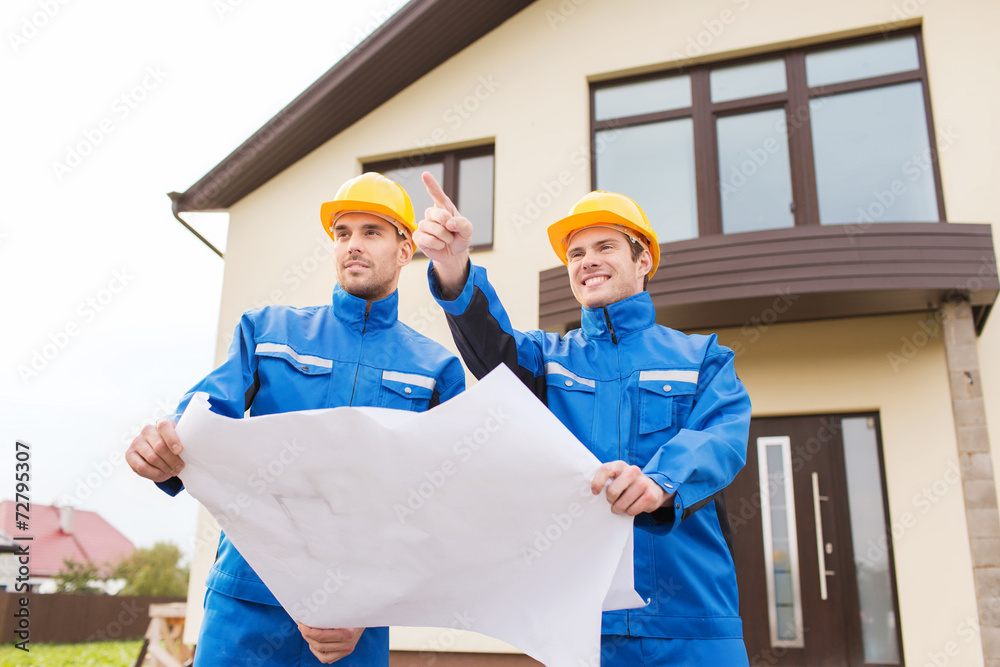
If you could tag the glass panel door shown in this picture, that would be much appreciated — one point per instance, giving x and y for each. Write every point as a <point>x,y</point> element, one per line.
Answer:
<point>781,547</point>
<point>805,513</point>
<point>877,612</point>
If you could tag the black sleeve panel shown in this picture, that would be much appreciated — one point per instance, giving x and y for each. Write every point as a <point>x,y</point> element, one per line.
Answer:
<point>251,392</point>
<point>723,516</point>
<point>688,511</point>
<point>484,344</point>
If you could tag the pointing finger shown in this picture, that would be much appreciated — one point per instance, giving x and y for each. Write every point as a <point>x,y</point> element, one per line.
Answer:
<point>437,194</point>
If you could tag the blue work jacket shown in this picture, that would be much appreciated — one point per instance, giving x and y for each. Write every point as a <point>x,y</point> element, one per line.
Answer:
<point>284,359</point>
<point>632,390</point>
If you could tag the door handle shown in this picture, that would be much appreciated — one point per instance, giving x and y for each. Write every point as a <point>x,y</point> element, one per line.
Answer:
<point>821,545</point>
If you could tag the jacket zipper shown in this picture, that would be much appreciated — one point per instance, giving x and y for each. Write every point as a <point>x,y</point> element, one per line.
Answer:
<point>611,328</point>
<point>360,350</point>
<point>614,340</point>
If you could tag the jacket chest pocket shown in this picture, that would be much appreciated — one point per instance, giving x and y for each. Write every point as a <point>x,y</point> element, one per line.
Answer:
<point>665,399</point>
<point>573,399</point>
<point>293,380</point>
<point>406,391</point>
<point>303,363</point>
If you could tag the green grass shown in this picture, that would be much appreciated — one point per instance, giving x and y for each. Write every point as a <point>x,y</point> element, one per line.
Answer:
<point>103,654</point>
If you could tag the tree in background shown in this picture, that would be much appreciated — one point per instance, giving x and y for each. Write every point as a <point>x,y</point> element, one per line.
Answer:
<point>77,577</point>
<point>154,571</point>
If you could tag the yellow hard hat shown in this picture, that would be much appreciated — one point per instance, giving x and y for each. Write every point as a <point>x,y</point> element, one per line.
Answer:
<point>605,209</point>
<point>371,193</point>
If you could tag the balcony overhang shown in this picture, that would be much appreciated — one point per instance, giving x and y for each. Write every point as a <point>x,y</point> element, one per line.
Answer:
<point>808,273</point>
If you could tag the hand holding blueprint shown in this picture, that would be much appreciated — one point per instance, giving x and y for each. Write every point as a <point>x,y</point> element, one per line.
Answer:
<point>479,509</point>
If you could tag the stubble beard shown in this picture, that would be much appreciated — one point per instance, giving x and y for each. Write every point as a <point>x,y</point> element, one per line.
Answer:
<point>370,291</point>
<point>375,287</point>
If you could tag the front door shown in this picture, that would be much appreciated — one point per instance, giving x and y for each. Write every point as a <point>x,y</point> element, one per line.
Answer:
<point>810,540</point>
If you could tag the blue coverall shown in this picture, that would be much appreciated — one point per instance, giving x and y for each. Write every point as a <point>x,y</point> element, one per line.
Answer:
<point>284,359</point>
<point>632,390</point>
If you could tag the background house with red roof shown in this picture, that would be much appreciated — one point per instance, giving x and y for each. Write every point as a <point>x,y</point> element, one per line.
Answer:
<point>59,533</point>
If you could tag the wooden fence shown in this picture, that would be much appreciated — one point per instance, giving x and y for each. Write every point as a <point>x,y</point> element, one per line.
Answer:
<point>70,618</point>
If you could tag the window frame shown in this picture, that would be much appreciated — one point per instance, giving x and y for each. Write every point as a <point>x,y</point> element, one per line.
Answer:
<point>449,160</point>
<point>795,102</point>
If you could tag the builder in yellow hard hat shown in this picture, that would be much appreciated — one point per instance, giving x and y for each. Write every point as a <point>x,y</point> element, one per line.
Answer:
<point>284,359</point>
<point>664,411</point>
<point>602,211</point>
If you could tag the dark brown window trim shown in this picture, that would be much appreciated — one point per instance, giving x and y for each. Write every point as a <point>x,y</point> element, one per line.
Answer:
<point>932,132</point>
<point>866,84</point>
<point>450,161</point>
<point>795,100</point>
<point>642,119</point>
<point>772,101</point>
<point>800,147</point>
<point>706,166</point>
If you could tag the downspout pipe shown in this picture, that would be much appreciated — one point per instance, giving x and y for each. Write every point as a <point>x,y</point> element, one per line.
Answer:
<point>175,201</point>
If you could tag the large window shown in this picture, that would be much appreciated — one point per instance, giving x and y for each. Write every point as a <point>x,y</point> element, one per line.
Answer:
<point>838,134</point>
<point>465,175</point>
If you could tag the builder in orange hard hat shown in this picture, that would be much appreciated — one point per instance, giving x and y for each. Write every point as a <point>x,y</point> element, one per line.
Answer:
<point>664,411</point>
<point>285,359</point>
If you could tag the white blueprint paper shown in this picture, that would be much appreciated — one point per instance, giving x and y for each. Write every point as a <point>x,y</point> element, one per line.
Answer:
<point>476,514</point>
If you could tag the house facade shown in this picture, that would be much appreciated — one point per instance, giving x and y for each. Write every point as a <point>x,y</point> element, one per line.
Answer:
<point>821,178</point>
<point>57,534</point>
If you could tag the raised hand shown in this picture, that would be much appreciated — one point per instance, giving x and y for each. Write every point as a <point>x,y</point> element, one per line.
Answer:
<point>444,236</point>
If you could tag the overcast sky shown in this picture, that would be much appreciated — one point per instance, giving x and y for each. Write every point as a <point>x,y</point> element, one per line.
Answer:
<point>110,307</point>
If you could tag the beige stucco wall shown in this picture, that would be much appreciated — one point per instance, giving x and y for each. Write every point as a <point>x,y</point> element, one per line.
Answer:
<point>525,86</point>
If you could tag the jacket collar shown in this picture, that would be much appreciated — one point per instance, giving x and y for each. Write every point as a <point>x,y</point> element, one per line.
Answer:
<point>350,310</point>
<point>626,316</point>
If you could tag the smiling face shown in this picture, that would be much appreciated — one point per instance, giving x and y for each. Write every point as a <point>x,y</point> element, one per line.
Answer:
<point>369,253</point>
<point>601,268</point>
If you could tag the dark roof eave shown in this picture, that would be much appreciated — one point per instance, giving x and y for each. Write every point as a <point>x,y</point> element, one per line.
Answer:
<point>387,61</point>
